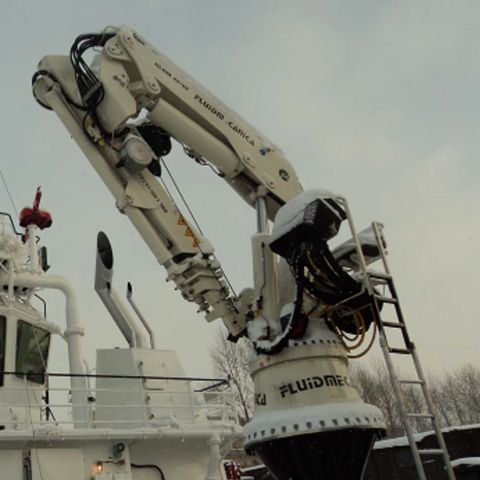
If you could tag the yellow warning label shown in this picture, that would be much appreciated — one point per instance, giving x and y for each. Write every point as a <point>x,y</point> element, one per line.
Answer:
<point>188,232</point>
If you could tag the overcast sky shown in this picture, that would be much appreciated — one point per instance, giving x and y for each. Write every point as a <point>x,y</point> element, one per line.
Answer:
<point>376,100</point>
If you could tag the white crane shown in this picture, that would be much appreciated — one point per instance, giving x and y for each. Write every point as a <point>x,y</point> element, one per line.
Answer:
<point>123,109</point>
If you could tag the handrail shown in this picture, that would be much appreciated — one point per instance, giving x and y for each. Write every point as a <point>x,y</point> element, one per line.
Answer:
<point>158,406</point>
<point>221,381</point>
<point>5,214</point>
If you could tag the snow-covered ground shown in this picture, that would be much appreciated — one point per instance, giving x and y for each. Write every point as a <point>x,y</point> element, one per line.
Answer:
<point>403,441</point>
<point>467,461</point>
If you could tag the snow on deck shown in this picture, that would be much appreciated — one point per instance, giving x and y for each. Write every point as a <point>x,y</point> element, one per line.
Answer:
<point>468,461</point>
<point>403,441</point>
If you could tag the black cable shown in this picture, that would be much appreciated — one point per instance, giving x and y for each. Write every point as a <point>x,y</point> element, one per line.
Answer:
<point>181,196</point>
<point>150,465</point>
<point>281,341</point>
<point>44,302</point>
<point>90,88</point>
<point>68,99</point>
<point>9,194</point>
<point>51,76</point>
<point>184,200</point>
<point>12,223</point>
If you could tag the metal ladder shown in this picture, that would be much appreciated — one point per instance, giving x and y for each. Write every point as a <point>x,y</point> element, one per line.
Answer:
<point>391,297</point>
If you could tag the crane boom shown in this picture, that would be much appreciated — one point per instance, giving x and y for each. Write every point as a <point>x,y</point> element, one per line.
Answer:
<point>133,81</point>
<point>123,109</point>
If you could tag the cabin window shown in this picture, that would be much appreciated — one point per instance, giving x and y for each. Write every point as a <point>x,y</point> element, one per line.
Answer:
<point>3,322</point>
<point>33,344</point>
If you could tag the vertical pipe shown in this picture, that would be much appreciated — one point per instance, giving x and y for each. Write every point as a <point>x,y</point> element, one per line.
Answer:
<point>261,209</point>
<point>10,281</point>
<point>32,247</point>
<point>265,265</point>
<point>73,334</point>
<point>215,458</point>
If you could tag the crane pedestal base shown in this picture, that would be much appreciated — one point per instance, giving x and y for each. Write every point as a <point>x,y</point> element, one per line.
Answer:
<point>334,455</point>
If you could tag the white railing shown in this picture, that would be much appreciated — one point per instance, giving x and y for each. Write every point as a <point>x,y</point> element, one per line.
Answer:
<point>123,402</point>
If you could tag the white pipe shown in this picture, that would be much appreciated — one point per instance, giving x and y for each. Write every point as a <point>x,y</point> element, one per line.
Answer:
<point>33,248</point>
<point>112,301</point>
<point>265,265</point>
<point>10,280</point>
<point>148,328</point>
<point>213,469</point>
<point>73,334</point>
<point>156,433</point>
<point>261,209</point>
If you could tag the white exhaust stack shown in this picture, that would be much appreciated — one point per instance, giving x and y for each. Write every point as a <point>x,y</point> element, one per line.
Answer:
<point>112,301</point>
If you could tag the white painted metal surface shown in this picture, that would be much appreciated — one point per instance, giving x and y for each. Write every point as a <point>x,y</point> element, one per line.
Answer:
<point>139,409</point>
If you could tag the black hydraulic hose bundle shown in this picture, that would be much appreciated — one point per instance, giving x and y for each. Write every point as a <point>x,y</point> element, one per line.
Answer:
<point>90,88</point>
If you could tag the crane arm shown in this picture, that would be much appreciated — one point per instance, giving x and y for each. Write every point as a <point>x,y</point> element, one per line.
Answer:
<point>123,109</point>
<point>131,76</point>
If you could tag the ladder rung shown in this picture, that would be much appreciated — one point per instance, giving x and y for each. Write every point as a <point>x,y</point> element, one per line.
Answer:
<point>403,351</point>
<point>431,451</point>
<point>412,382</point>
<point>383,299</point>
<point>393,324</point>
<point>379,275</point>
<point>420,415</point>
